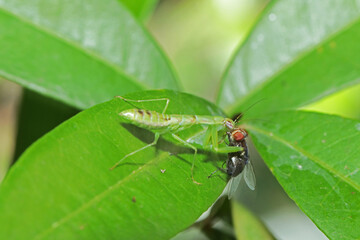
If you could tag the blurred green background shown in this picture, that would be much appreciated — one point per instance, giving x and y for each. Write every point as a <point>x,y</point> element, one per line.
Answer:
<point>199,37</point>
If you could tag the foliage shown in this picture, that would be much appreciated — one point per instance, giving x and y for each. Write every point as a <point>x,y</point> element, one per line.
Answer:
<point>61,186</point>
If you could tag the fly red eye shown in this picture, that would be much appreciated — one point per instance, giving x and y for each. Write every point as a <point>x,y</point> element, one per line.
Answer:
<point>239,135</point>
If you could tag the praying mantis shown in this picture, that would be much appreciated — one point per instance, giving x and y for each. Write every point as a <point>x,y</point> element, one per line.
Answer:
<point>162,123</point>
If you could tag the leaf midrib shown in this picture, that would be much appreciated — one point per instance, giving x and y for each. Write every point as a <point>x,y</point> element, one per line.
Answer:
<point>100,196</point>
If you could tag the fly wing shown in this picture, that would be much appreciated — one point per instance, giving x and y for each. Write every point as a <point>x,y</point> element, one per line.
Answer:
<point>250,176</point>
<point>233,185</point>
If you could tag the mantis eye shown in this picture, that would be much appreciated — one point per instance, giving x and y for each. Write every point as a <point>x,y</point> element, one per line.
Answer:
<point>229,124</point>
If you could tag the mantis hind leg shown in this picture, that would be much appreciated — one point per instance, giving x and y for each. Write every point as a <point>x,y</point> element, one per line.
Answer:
<point>156,138</point>
<point>148,100</point>
<point>195,153</point>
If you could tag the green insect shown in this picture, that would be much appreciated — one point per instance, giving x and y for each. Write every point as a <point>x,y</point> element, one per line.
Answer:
<point>161,123</point>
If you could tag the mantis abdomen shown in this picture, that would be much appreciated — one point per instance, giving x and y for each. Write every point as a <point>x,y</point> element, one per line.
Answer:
<point>164,123</point>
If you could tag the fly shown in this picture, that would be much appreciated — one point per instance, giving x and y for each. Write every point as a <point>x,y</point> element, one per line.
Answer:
<point>239,162</point>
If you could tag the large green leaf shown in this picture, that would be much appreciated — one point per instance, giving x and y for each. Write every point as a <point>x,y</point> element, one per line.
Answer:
<point>39,114</point>
<point>140,8</point>
<point>62,188</point>
<point>315,157</point>
<point>81,54</point>
<point>299,52</point>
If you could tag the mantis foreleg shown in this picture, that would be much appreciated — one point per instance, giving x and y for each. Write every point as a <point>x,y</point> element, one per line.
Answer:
<point>212,133</point>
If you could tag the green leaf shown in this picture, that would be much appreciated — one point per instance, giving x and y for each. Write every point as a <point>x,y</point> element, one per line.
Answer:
<point>62,188</point>
<point>315,157</point>
<point>140,8</point>
<point>246,225</point>
<point>37,116</point>
<point>79,54</point>
<point>299,52</point>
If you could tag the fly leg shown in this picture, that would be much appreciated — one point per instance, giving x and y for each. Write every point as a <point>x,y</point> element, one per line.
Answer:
<point>148,100</point>
<point>195,153</point>
<point>156,138</point>
<point>221,169</point>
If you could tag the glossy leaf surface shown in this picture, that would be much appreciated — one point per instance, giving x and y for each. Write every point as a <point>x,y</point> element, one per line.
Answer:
<point>80,54</point>
<point>299,52</point>
<point>38,114</point>
<point>62,188</point>
<point>315,157</point>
